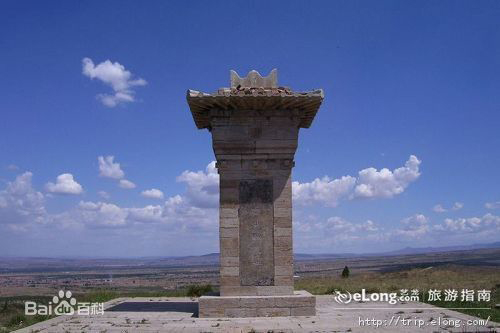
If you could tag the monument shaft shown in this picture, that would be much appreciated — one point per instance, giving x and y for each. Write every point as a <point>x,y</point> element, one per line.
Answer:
<point>255,126</point>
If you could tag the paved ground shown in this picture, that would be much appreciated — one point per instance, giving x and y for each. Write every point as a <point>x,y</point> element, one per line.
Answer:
<point>153,315</point>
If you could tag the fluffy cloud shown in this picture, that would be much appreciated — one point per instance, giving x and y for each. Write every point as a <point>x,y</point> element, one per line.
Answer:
<point>109,169</point>
<point>20,203</point>
<point>339,224</point>
<point>440,209</point>
<point>492,205</point>
<point>116,76</point>
<point>12,167</point>
<point>202,186</point>
<point>104,195</point>
<point>414,226</point>
<point>101,213</point>
<point>65,184</point>
<point>152,194</point>
<point>323,190</point>
<point>472,224</point>
<point>370,183</point>
<point>386,183</point>
<point>126,184</point>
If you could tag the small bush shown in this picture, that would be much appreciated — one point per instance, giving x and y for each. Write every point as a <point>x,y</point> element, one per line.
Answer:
<point>345,272</point>
<point>199,290</point>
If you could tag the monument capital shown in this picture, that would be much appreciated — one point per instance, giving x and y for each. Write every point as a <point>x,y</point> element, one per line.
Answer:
<point>256,93</point>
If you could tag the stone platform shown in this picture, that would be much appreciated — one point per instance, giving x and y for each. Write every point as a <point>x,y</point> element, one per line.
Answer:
<point>330,317</point>
<point>301,303</point>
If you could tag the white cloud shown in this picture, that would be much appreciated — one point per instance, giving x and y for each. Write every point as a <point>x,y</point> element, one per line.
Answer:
<point>370,183</point>
<point>104,195</point>
<point>385,183</point>
<point>414,226</point>
<point>339,224</point>
<point>12,167</point>
<point>440,209</point>
<point>202,186</point>
<point>152,194</point>
<point>472,224</point>
<point>323,190</point>
<point>126,184</point>
<point>109,169</point>
<point>146,214</point>
<point>100,213</point>
<point>20,203</point>
<point>492,205</point>
<point>116,76</point>
<point>65,184</point>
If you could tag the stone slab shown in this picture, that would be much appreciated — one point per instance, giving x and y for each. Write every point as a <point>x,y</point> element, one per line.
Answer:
<point>301,303</point>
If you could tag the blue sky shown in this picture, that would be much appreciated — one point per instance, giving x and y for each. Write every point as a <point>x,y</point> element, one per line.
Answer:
<point>400,78</point>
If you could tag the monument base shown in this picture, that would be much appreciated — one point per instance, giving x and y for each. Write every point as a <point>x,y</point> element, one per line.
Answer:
<point>301,303</point>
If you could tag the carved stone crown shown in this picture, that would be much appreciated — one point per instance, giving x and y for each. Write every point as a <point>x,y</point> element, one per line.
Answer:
<point>255,80</point>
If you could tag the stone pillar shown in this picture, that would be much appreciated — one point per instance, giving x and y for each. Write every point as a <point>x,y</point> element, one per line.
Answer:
<point>255,126</point>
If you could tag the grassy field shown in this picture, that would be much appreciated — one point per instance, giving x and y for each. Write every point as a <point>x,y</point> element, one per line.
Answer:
<point>440,278</point>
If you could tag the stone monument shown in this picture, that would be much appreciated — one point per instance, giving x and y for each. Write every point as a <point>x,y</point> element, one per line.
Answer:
<point>255,125</point>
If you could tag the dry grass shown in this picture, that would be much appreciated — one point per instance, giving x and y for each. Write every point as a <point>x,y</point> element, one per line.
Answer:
<point>440,278</point>
<point>443,277</point>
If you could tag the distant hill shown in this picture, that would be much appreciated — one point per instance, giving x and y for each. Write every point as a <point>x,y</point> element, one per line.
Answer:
<point>422,250</point>
<point>214,257</point>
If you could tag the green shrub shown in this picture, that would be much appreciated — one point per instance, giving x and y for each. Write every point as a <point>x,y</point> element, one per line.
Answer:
<point>199,290</point>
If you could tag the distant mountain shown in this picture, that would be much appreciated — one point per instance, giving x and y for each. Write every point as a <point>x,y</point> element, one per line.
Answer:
<point>422,250</point>
<point>214,257</point>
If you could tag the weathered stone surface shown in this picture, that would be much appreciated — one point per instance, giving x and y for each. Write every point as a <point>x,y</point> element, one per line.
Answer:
<point>300,303</point>
<point>256,233</point>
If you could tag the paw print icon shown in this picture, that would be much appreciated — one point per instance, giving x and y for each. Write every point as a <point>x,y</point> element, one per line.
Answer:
<point>65,303</point>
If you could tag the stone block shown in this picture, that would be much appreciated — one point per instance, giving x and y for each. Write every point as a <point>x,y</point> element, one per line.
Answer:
<point>283,280</point>
<point>229,232</point>
<point>280,232</point>
<point>240,312</point>
<point>284,270</point>
<point>229,261</point>
<point>273,312</point>
<point>282,212</point>
<point>283,242</point>
<point>230,281</point>
<point>229,271</point>
<point>229,195</point>
<point>229,247</point>
<point>300,303</point>
<point>229,222</point>
<point>282,222</point>
<point>228,212</point>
